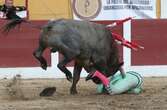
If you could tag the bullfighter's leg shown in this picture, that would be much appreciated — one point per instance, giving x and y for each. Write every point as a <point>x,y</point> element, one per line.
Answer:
<point>76,77</point>
<point>38,55</point>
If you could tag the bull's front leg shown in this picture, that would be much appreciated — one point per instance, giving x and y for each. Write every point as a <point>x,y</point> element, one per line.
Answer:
<point>62,66</point>
<point>38,55</point>
<point>76,77</point>
<point>69,54</point>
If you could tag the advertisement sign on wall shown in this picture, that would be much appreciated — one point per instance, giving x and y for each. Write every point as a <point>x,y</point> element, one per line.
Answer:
<point>113,9</point>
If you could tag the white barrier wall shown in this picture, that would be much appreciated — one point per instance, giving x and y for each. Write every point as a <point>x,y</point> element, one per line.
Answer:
<point>37,72</point>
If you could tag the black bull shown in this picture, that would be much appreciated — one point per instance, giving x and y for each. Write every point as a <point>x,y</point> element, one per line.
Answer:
<point>90,45</point>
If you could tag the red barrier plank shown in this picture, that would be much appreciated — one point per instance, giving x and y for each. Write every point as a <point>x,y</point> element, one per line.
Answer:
<point>16,48</point>
<point>152,35</point>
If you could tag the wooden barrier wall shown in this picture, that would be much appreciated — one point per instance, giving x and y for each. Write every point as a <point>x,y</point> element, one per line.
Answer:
<point>152,34</point>
<point>16,48</point>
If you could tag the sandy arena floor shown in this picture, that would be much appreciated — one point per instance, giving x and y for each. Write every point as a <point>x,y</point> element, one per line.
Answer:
<point>24,95</point>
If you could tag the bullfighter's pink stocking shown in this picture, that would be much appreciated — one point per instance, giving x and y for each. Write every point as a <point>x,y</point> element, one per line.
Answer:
<point>104,79</point>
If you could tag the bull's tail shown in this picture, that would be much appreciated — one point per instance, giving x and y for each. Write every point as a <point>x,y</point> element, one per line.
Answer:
<point>12,24</point>
<point>15,22</point>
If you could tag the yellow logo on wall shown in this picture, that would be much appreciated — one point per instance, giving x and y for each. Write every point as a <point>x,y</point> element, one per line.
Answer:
<point>86,9</point>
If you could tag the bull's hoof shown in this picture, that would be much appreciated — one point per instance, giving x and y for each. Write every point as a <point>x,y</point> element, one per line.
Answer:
<point>73,92</point>
<point>44,66</point>
<point>69,78</point>
<point>48,91</point>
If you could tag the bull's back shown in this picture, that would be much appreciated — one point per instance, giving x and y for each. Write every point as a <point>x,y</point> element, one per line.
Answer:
<point>96,35</point>
<point>91,35</point>
<point>93,38</point>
